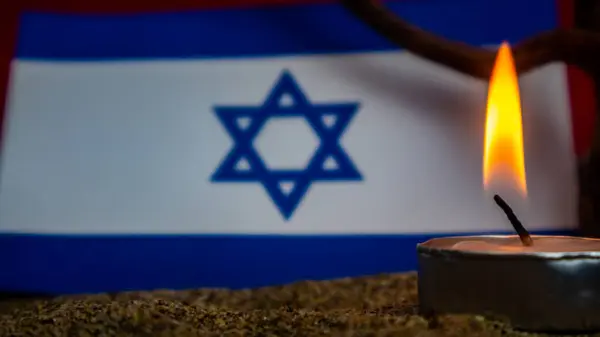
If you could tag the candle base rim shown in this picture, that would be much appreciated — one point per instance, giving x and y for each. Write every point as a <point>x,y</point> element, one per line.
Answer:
<point>444,245</point>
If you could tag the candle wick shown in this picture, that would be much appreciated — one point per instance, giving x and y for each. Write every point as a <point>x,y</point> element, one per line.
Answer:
<point>514,221</point>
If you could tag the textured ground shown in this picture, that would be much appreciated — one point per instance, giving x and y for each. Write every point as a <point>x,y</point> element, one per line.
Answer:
<point>383,305</point>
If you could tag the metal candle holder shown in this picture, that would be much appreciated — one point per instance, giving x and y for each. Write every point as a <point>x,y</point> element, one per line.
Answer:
<point>552,289</point>
<point>537,291</point>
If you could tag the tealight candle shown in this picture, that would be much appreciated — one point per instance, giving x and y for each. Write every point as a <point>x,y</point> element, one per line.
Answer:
<point>552,285</point>
<point>538,283</point>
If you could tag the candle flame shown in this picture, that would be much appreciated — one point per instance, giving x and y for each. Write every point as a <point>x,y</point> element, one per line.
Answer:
<point>503,157</point>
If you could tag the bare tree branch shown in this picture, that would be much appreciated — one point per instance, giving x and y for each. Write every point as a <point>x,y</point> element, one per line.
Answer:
<point>575,47</point>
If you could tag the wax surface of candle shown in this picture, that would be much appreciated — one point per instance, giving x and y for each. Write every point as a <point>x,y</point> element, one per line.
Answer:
<point>541,244</point>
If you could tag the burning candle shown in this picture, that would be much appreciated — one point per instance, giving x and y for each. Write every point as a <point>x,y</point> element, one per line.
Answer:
<point>540,283</point>
<point>503,154</point>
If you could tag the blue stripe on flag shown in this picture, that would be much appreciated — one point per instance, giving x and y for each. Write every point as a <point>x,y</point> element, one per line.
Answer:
<point>82,264</point>
<point>305,29</point>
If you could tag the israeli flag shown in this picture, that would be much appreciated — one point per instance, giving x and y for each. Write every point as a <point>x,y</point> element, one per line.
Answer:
<point>248,147</point>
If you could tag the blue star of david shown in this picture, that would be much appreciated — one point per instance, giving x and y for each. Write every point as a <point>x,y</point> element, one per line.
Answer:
<point>271,179</point>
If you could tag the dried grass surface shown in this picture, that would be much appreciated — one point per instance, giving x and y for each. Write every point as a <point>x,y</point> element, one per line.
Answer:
<point>381,305</point>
